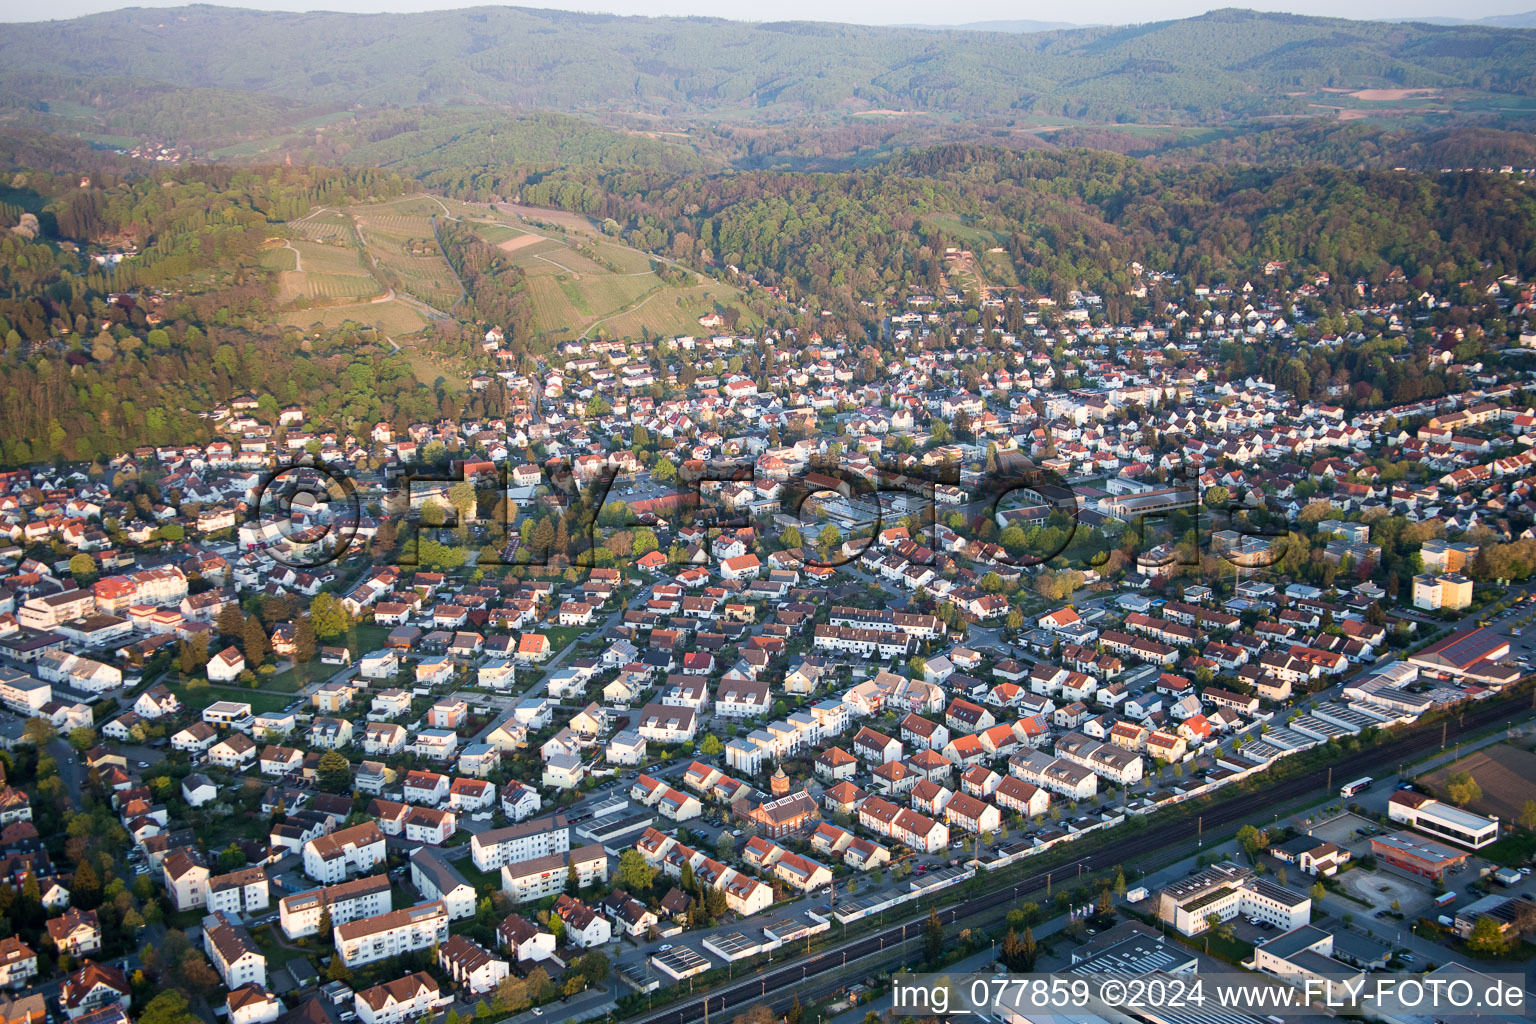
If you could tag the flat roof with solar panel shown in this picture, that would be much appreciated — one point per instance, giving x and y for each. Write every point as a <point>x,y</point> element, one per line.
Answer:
<point>1139,954</point>
<point>940,878</point>
<point>860,904</point>
<point>1460,651</point>
<point>605,830</point>
<point>736,945</point>
<point>791,926</point>
<point>681,962</point>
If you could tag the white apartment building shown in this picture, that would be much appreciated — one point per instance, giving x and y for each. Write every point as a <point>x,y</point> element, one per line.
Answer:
<point>391,934</point>
<point>536,837</point>
<point>353,900</point>
<point>436,879</point>
<point>238,892</point>
<point>413,997</point>
<point>233,953</point>
<point>330,859</point>
<point>186,879</point>
<point>539,877</point>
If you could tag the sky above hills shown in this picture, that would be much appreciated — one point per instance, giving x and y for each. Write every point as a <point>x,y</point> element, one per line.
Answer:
<point>867,12</point>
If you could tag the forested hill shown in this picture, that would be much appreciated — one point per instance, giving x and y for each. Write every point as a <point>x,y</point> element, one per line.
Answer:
<point>1219,66</point>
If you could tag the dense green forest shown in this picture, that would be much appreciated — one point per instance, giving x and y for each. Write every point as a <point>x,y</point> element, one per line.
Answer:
<point>95,355</point>
<point>426,139</point>
<point>495,152</point>
<point>1213,68</point>
<point>495,289</point>
<point>1068,219</point>
<point>1352,144</point>
<point>129,108</point>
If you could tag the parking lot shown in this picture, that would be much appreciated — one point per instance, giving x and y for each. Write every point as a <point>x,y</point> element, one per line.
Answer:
<point>1381,888</point>
<point>1348,831</point>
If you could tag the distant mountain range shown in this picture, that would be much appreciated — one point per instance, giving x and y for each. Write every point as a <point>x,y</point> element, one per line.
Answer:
<point>1526,20</point>
<point>1224,65</point>
<point>999,26</point>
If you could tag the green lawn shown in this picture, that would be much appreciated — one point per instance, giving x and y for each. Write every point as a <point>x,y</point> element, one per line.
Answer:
<point>200,697</point>
<point>559,636</point>
<point>365,637</point>
<point>276,954</point>
<point>1513,850</point>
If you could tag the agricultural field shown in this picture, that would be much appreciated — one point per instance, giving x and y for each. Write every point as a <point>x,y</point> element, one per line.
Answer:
<point>399,236</point>
<point>319,272</point>
<point>330,257</point>
<point>393,317</point>
<point>1505,773</point>
<point>324,287</point>
<point>325,225</point>
<point>674,311</point>
<point>280,258</point>
<point>580,280</point>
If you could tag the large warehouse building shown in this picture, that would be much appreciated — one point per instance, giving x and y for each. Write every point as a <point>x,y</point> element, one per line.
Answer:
<point>1476,654</point>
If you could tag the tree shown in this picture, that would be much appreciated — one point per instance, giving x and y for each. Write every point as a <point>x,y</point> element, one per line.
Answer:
<point>337,971</point>
<point>169,1007</point>
<point>643,541</point>
<point>933,936</point>
<point>511,994</point>
<point>1217,497</point>
<point>230,622</point>
<point>303,640</point>
<point>82,567</point>
<point>85,889</point>
<point>256,643</point>
<point>334,772</point>
<point>1463,789</point>
<point>198,975</point>
<point>711,746</point>
<point>1252,841</point>
<point>38,732</point>
<point>1487,937</point>
<point>325,925</point>
<point>1318,892</point>
<point>725,845</point>
<point>1528,816</point>
<point>1019,952</point>
<point>594,967</point>
<point>633,873</point>
<point>328,616</point>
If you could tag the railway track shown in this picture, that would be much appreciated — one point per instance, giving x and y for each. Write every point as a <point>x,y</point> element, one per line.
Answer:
<point>778,986</point>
